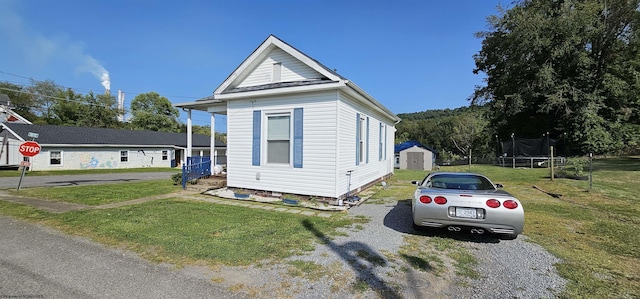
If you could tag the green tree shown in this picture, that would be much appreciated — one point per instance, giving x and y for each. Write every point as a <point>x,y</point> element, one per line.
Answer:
<point>88,110</point>
<point>150,111</point>
<point>568,66</point>
<point>44,95</point>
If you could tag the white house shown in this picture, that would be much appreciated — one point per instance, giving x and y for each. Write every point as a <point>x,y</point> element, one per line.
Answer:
<point>67,147</point>
<point>295,126</point>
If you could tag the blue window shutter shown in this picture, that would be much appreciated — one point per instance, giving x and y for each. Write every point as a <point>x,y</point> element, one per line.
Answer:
<point>297,137</point>
<point>255,153</point>
<point>357,139</point>
<point>367,157</point>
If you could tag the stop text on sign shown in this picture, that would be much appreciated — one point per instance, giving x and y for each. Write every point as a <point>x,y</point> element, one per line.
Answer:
<point>29,148</point>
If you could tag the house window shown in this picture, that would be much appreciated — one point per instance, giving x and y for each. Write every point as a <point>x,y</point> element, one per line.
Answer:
<point>278,138</point>
<point>124,156</point>
<point>284,140</point>
<point>55,158</point>
<point>381,149</point>
<point>363,138</point>
<point>277,72</point>
<point>165,155</point>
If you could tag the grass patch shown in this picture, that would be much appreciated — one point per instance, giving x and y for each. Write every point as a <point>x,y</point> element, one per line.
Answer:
<point>17,173</point>
<point>101,194</point>
<point>594,231</point>
<point>419,253</point>
<point>181,231</point>
<point>306,269</point>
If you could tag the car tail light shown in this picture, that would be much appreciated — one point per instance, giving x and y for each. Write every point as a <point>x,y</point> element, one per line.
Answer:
<point>510,204</point>
<point>440,200</point>
<point>425,199</point>
<point>493,203</point>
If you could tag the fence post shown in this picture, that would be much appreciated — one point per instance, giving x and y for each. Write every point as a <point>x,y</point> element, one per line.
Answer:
<point>551,163</point>
<point>184,176</point>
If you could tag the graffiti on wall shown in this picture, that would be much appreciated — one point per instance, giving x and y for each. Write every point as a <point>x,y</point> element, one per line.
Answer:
<point>88,161</point>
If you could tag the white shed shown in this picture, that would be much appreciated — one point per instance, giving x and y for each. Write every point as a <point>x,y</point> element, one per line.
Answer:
<point>296,126</point>
<point>413,155</point>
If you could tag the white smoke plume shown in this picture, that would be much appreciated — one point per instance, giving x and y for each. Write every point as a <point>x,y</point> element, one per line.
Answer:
<point>40,53</point>
<point>91,65</point>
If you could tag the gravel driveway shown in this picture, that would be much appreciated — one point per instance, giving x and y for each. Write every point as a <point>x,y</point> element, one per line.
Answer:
<point>366,263</point>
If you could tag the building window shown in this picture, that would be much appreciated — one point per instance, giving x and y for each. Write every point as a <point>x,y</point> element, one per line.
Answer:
<point>361,142</point>
<point>124,156</point>
<point>165,155</point>
<point>277,72</point>
<point>55,157</point>
<point>381,149</point>
<point>278,138</point>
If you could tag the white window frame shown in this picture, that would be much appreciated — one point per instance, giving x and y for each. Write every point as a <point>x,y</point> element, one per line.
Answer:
<point>50,154</point>
<point>124,154</point>
<point>381,143</point>
<point>265,133</point>
<point>165,155</point>
<point>276,72</point>
<point>363,139</point>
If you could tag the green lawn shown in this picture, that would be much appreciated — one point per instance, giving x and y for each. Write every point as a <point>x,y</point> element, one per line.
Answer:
<point>187,231</point>
<point>101,194</point>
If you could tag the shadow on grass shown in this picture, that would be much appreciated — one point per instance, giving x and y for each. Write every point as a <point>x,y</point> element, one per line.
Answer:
<point>616,164</point>
<point>357,254</point>
<point>400,219</point>
<point>85,182</point>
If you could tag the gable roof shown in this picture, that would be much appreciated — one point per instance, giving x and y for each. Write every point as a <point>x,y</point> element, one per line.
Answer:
<point>260,53</point>
<point>83,136</point>
<point>409,144</point>
<point>324,78</point>
<point>8,115</point>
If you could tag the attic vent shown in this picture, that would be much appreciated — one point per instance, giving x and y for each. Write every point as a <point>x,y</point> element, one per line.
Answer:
<point>277,72</point>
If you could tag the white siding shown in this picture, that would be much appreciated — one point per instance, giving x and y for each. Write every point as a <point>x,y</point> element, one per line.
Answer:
<point>316,177</point>
<point>92,158</point>
<point>364,172</point>
<point>292,70</point>
<point>10,153</point>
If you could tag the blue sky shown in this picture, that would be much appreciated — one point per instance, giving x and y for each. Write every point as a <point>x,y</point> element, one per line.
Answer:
<point>410,55</point>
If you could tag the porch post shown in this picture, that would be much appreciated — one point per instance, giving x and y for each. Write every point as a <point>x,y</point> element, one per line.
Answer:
<point>212,149</point>
<point>189,136</point>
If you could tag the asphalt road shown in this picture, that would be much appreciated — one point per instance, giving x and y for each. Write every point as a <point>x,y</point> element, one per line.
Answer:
<point>38,262</point>
<point>80,179</point>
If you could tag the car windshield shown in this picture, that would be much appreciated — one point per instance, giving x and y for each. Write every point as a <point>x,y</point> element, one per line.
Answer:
<point>460,182</point>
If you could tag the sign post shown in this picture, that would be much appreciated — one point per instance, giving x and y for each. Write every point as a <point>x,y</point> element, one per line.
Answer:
<point>28,149</point>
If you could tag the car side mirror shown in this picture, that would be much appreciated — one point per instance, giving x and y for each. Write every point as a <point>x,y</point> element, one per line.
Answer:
<point>415,182</point>
<point>499,186</point>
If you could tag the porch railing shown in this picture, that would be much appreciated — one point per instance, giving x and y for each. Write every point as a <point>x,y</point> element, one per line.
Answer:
<point>195,168</point>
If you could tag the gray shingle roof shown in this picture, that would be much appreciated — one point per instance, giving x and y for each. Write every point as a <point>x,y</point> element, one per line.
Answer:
<point>278,85</point>
<point>50,134</point>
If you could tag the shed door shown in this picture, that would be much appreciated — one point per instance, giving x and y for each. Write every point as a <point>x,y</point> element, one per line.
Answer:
<point>415,160</point>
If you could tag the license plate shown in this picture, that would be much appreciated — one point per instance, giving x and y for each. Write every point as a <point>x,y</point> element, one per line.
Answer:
<point>466,213</point>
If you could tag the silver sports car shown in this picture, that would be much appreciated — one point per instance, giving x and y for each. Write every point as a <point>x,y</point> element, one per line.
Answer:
<point>466,201</point>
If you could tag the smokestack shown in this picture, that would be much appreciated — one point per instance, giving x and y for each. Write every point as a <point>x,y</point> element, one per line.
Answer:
<point>107,92</point>
<point>120,105</point>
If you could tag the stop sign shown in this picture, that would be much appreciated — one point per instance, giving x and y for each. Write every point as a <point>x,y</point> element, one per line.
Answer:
<point>29,148</point>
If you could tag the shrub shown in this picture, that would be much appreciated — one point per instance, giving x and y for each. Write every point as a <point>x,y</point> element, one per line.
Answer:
<point>177,179</point>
